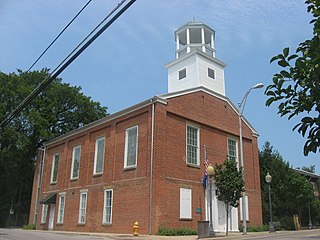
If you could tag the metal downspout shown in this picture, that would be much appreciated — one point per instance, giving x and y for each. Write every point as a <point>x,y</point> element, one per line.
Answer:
<point>151,170</point>
<point>43,150</point>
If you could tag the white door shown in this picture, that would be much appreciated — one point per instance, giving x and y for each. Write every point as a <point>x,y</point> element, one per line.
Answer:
<point>51,216</point>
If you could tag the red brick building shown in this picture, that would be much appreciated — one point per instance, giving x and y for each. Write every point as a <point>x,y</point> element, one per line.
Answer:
<point>145,163</point>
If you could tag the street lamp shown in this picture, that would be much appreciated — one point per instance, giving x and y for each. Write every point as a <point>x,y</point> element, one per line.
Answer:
<point>268,179</point>
<point>241,108</point>
<point>210,172</point>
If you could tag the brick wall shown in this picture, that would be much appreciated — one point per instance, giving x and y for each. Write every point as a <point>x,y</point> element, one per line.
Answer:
<point>216,119</point>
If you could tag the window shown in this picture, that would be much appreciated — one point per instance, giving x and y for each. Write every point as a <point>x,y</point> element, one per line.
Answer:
<point>62,199</point>
<point>99,156</point>
<point>232,149</point>
<point>192,145</point>
<point>130,159</point>
<point>75,162</point>
<point>246,207</point>
<point>107,208</point>
<point>211,73</point>
<point>185,203</point>
<point>182,73</point>
<point>83,207</point>
<point>54,170</point>
<point>44,213</point>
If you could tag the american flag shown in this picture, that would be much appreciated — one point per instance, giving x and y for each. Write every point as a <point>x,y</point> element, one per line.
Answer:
<point>206,164</point>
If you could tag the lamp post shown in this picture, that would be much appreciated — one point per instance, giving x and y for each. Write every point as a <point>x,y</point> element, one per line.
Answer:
<point>210,172</point>
<point>241,108</point>
<point>268,179</point>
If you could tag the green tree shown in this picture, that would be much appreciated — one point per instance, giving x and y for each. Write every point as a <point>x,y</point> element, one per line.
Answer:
<point>59,109</point>
<point>230,185</point>
<point>291,192</point>
<point>296,88</point>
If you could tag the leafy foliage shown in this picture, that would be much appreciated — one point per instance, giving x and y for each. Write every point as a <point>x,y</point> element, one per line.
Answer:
<point>176,231</point>
<point>60,109</point>
<point>296,87</point>
<point>291,192</point>
<point>230,184</point>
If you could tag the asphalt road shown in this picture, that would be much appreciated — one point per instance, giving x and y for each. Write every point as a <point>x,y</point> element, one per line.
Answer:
<point>18,234</point>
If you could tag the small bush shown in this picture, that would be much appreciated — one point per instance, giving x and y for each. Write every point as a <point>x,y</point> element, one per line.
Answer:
<point>176,231</point>
<point>29,227</point>
<point>261,228</point>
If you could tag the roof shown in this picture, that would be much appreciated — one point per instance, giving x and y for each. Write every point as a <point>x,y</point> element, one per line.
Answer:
<point>212,93</point>
<point>306,173</point>
<point>160,99</point>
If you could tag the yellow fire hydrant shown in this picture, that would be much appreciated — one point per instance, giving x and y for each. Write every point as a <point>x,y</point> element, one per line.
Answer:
<point>135,229</point>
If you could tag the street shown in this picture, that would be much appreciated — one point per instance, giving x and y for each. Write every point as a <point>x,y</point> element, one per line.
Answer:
<point>19,234</point>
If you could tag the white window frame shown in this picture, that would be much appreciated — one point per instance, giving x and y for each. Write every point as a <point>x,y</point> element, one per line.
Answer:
<point>235,150</point>
<point>62,206</point>
<point>96,155</point>
<point>83,207</point>
<point>109,220</point>
<point>185,203</point>
<point>210,70</point>
<point>247,208</point>
<point>53,168</point>
<point>197,146</point>
<point>127,148</point>
<point>182,73</point>
<point>73,162</point>
<point>44,213</point>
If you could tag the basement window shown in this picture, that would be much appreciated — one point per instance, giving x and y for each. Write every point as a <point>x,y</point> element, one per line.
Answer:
<point>211,73</point>
<point>182,73</point>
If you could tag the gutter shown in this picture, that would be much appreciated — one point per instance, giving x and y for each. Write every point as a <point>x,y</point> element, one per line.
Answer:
<point>151,169</point>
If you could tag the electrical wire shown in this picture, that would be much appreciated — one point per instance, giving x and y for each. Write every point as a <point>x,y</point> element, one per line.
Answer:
<point>45,83</point>
<point>59,35</point>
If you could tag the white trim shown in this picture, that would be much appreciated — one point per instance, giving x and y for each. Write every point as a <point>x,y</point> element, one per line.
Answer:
<point>44,213</point>
<point>236,150</point>
<point>72,164</point>
<point>185,203</point>
<point>126,147</point>
<point>53,166</point>
<point>96,155</point>
<point>104,220</point>
<point>198,144</point>
<point>247,208</point>
<point>82,218</point>
<point>61,210</point>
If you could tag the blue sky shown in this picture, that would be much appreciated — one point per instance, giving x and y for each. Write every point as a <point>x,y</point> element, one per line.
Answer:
<point>126,64</point>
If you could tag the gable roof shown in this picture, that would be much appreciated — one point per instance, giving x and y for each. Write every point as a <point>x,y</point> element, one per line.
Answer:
<point>212,93</point>
<point>158,98</point>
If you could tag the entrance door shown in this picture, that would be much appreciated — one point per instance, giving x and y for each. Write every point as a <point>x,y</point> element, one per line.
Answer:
<point>51,216</point>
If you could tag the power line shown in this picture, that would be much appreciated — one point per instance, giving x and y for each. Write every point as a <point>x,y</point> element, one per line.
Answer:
<point>45,83</point>
<point>59,35</point>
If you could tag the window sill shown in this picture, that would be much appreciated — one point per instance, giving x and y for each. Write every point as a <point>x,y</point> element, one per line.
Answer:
<point>97,175</point>
<point>185,219</point>
<point>193,165</point>
<point>53,183</point>
<point>130,168</point>
<point>74,179</point>
<point>81,224</point>
<point>106,224</point>
<point>59,224</point>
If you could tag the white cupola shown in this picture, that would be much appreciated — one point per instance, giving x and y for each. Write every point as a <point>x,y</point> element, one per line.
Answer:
<point>196,63</point>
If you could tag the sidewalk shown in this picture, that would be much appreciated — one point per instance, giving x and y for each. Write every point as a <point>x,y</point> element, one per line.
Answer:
<point>238,235</point>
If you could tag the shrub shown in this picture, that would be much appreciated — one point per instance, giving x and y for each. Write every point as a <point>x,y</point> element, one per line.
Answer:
<point>176,231</point>
<point>261,228</point>
<point>29,227</point>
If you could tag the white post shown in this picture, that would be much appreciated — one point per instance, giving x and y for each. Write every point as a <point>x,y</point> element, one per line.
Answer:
<point>177,45</point>
<point>188,40</point>
<point>203,40</point>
